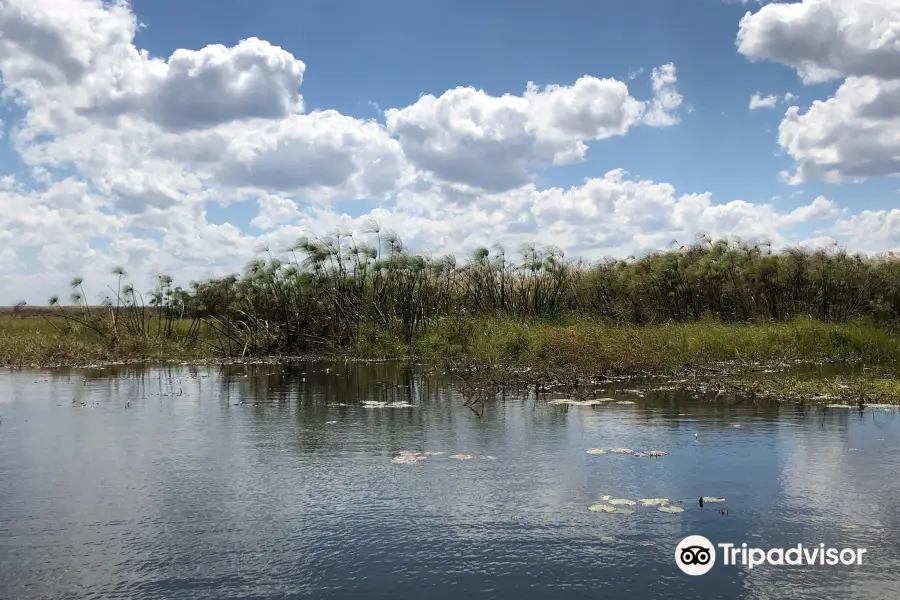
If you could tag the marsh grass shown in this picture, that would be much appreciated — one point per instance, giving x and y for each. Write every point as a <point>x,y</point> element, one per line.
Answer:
<point>363,294</point>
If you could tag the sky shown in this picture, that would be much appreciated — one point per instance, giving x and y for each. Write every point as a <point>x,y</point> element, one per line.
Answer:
<point>183,138</point>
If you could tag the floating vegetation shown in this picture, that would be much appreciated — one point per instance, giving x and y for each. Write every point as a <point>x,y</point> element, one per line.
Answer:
<point>622,502</point>
<point>622,451</point>
<point>460,456</point>
<point>377,404</point>
<point>605,498</point>
<point>713,499</point>
<point>651,454</point>
<point>596,451</point>
<point>654,501</point>
<point>408,458</point>
<point>602,508</point>
<point>622,510</point>
<point>609,540</point>
<point>569,401</point>
<point>670,509</point>
<point>435,453</point>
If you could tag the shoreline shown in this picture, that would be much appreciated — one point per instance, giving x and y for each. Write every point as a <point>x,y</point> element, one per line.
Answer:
<point>843,362</point>
<point>772,382</point>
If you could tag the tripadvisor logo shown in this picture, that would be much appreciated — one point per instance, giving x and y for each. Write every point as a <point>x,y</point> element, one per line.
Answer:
<point>696,555</point>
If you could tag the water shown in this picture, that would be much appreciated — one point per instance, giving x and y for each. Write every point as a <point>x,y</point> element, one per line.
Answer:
<point>187,493</point>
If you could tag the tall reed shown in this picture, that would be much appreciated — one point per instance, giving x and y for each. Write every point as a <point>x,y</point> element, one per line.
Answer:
<point>351,289</point>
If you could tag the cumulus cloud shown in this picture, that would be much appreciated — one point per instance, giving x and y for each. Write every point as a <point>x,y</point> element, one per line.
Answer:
<point>494,143</point>
<point>854,134</point>
<point>204,88</point>
<point>759,101</point>
<point>124,153</point>
<point>826,39</point>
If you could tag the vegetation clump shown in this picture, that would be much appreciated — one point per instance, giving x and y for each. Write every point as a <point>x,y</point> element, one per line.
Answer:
<point>363,294</point>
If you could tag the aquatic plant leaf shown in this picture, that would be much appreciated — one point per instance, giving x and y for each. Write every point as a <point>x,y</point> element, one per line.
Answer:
<point>622,502</point>
<point>435,453</point>
<point>407,459</point>
<point>713,499</point>
<point>570,402</point>
<point>609,540</point>
<point>654,501</point>
<point>657,453</point>
<point>460,456</point>
<point>602,508</point>
<point>622,451</point>
<point>605,498</point>
<point>670,509</point>
<point>596,451</point>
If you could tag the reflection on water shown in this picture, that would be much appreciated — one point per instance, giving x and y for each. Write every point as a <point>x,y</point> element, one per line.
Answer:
<point>262,481</point>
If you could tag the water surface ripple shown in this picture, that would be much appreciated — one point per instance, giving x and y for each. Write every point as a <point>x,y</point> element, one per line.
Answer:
<point>262,481</point>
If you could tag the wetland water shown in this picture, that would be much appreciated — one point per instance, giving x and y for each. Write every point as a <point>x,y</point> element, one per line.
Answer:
<point>165,486</point>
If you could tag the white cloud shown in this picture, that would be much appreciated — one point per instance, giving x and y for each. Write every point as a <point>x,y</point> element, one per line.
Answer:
<point>826,39</point>
<point>469,137</point>
<point>856,133</point>
<point>759,101</point>
<point>126,152</point>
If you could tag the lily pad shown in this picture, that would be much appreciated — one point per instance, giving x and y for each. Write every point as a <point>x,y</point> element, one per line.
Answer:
<point>596,451</point>
<point>670,509</point>
<point>622,502</point>
<point>654,501</point>
<point>605,498</point>
<point>713,499</point>
<point>608,540</point>
<point>435,453</point>
<point>622,451</point>
<point>460,456</point>
<point>602,508</point>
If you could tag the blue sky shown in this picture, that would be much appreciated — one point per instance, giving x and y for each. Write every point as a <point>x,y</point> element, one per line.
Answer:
<point>104,166</point>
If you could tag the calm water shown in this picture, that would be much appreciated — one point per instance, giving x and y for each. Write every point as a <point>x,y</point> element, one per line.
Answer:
<point>187,493</point>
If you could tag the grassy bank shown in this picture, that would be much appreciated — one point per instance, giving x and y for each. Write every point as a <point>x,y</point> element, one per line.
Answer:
<point>684,310</point>
<point>575,344</point>
<point>752,360</point>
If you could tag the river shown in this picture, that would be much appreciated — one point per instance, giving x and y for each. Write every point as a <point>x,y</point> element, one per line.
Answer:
<point>276,481</point>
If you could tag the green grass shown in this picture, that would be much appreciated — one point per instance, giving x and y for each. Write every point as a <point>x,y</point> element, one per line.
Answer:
<point>575,344</point>
<point>598,348</point>
<point>571,349</point>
